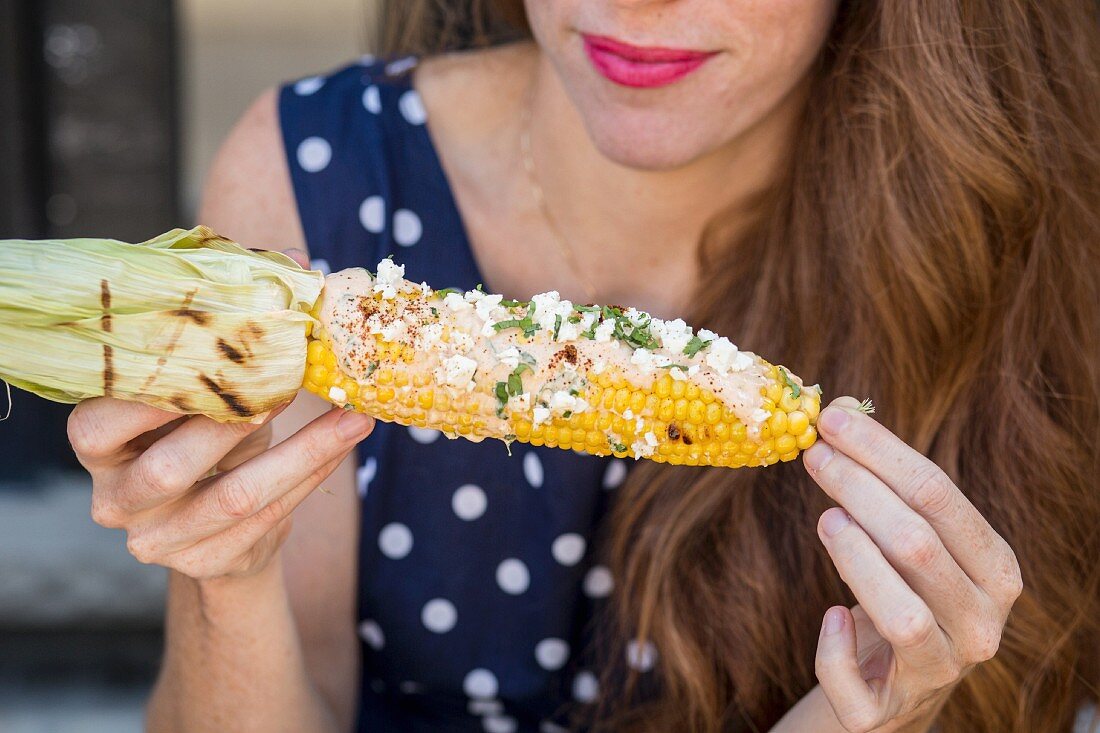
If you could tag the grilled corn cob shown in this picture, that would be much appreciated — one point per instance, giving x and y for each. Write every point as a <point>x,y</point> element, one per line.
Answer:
<point>194,323</point>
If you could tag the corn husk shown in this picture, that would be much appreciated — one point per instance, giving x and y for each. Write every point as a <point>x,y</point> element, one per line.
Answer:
<point>188,322</point>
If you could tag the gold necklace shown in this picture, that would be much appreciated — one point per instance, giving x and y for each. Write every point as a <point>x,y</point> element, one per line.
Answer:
<point>540,199</point>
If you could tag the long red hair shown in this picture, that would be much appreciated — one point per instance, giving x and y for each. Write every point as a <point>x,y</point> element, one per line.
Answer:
<point>933,242</point>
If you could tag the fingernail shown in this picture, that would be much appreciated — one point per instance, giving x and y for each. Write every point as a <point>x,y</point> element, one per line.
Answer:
<point>817,456</point>
<point>261,418</point>
<point>834,621</point>
<point>833,521</point>
<point>351,425</point>
<point>833,419</point>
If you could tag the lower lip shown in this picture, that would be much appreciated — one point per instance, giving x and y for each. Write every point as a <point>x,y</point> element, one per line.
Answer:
<point>641,74</point>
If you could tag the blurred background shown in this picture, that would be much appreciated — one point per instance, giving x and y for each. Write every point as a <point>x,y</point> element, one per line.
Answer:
<point>110,113</point>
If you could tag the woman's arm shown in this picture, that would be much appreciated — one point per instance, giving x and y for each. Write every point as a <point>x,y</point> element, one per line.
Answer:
<point>275,649</point>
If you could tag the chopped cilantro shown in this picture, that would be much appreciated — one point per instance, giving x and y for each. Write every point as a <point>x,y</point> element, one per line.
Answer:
<point>795,389</point>
<point>616,447</point>
<point>587,308</point>
<point>567,414</point>
<point>511,303</point>
<point>695,346</point>
<point>682,367</point>
<point>370,368</point>
<point>526,324</point>
<point>513,387</point>
<point>557,326</point>
<point>441,294</point>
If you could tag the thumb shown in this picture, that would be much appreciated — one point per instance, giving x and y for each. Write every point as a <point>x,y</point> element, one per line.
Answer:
<point>298,256</point>
<point>838,671</point>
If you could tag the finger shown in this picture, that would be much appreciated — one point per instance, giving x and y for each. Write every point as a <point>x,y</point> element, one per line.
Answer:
<point>853,701</point>
<point>256,483</point>
<point>298,256</point>
<point>922,485</point>
<point>204,555</point>
<point>173,464</point>
<point>899,614</point>
<point>100,429</point>
<point>905,538</point>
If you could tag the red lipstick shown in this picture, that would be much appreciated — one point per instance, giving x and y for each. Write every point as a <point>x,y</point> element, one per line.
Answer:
<point>641,66</point>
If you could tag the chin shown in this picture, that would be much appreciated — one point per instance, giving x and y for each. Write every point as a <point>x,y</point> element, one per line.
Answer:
<point>645,142</point>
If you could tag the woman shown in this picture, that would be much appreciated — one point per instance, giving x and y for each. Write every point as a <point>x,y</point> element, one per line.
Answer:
<point>899,199</point>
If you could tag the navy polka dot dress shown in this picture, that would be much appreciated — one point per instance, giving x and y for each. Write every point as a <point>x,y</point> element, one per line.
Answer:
<point>478,578</point>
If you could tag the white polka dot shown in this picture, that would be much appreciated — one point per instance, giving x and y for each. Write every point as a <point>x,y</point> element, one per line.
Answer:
<point>549,727</point>
<point>314,154</point>
<point>568,549</point>
<point>485,707</point>
<point>585,687</point>
<point>499,724</point>
<point>322,265</point>
<point>365,474</point>
<point>480,684</point>
<point>409,687</point>
<point>406,228</point>
<point>367,59</point>
<point>395,540</point>
<point>372,214</point>
<point>469,502</point>
<point>598,582</point>
<point>424,436</point>
<point>400,66</point>
<point>372,99</point>
<point>513,577</point>
<point>305,87</point>
<point>532,469</point>
<point>439,615</point>
<point>412,108</point>
<point>372,634</point>
<point>614,474</point>
<point>551,654</point>
<point>641,657</point>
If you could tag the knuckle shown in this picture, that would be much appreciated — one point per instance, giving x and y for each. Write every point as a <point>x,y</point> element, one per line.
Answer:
<point>142,546</point>
<point>86,439</point>
<point>912,629</point>
<point>1012,578</point>
<point>237,496</point>
<point>932,490</point>
<point>106,513</point>
<point>158,472</point>
<point>916,545</point>
<point>985,643</point>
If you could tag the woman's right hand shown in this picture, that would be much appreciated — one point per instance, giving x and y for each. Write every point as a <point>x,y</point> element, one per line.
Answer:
<point>203,498</point>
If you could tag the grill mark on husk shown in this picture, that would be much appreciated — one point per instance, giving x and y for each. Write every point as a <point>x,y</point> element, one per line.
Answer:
<point>231,400</point>
<point>105,303</point>
<point>108,370</point>
<point>229,352</point>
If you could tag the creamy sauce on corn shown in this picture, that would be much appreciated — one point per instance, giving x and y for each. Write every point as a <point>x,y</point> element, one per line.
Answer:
<point>471,343</point>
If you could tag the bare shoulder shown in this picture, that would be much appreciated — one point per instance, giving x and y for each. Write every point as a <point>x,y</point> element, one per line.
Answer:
<point>248,195</point>
<point>470,95</point>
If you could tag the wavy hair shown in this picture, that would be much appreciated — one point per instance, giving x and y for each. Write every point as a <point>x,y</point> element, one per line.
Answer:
<point>933,242</point>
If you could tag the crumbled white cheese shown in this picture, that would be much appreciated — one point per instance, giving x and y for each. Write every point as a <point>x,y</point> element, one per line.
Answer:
<point>484,304</point>
<point>426,289</point>
<point>521,403</point>
<point>462,341</point>
<point>588,319</point>
<point>457,371</point>
<point>509,357</point>
<point>388,279</point>
<point>677,373</point>
<point>628,414</point>
<point>639,423</point>
<point>598,367</point>
<point>569,331</point>
<point>693,370</point>
<point>456,302</point>
<point>430,335</point>
<point>603,332</point>
<point>561,401</point>
<point>673,335</point>
<point>741,362</point>
<point>720,354</point>
<point>337,395</point>
<point>760,415</point>
<point>541,415</point>
<point>548,307</point>
<point>644,447</point>
<point>706,335</point>
<point>643,358</point>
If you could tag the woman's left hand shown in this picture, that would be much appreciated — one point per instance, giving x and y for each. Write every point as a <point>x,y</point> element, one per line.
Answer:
<point>934,581</point>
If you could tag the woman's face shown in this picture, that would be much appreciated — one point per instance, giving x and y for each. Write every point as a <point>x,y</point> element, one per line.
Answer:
<point>661,83</point>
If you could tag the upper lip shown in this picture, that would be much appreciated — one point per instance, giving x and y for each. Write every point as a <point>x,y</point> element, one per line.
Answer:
<point>644,54</point>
